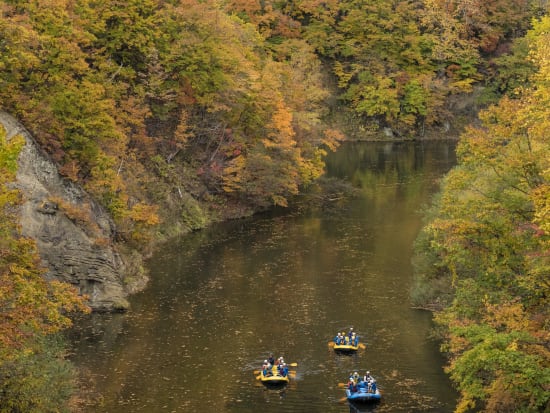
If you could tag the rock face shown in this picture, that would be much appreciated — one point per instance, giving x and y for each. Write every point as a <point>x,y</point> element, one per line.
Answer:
<point>71,231</point>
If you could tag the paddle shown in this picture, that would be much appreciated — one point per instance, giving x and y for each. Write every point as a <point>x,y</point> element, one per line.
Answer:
<point>362,346</point>
<point>343,399</point>
<point>331,343</point>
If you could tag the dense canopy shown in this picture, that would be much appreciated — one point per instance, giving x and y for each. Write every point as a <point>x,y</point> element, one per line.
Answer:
<point>487,246</point>
<point>177,113</point>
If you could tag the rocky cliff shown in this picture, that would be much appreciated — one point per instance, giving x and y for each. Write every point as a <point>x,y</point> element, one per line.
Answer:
<point>72,232</point>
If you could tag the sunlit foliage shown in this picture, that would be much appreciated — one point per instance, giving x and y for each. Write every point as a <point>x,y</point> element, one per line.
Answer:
<point>489,236</point>
<point>136,99</point>
<point>177,113</point>
<point>116,91</point>
<point>398,62</point>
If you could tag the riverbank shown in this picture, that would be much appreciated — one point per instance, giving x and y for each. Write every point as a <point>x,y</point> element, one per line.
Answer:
<point>58,209</point>
<point>306,272</point>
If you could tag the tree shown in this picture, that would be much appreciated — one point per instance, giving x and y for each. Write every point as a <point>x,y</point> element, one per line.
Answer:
<point>489,236</point>
<point>489,23</point>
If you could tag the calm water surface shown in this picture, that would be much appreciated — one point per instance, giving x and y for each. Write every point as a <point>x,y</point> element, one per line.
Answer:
<point>221,300</point>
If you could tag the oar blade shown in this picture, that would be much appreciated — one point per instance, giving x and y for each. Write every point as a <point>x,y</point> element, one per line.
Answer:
<point>362,346</point>
<point>331,343</point>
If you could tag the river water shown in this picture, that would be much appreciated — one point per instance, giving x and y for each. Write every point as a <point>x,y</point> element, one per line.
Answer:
<point>222,299</point>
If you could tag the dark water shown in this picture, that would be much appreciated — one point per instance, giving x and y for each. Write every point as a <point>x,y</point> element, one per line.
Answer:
<point>220,300</point>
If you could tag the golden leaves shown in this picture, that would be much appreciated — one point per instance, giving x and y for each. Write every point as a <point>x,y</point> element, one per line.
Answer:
<point>489,235</point>
<point>145,214</point>
<point>233,174</point>
<point>332,138</point>
<point>507,316</point>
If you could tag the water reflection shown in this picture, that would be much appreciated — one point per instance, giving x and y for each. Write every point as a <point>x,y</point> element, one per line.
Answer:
<point>221,300</point>
<point>363,408</point>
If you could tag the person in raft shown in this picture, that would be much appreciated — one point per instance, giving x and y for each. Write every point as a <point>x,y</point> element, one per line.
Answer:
<point>266,368</point>
<point>352,385</point>
<point>282,369</point>
<point>369,382</point>
<point>352,338</point>
<point>367,377</point>
<point>339,339</point>
<point>342,338</point>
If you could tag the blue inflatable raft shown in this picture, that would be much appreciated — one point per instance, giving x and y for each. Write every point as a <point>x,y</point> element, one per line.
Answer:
<point>362,395</point>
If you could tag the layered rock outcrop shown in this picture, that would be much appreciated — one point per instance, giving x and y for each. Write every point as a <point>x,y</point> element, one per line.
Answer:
<point>72,232</point>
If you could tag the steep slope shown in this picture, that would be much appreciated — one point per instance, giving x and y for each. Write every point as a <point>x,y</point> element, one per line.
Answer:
<point>68,227</point>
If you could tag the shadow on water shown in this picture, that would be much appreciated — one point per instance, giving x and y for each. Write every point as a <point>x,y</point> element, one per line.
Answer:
<point>222,299</point>
<point>364,407</point>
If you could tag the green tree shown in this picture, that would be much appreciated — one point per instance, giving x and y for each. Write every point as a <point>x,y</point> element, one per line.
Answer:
<point>395,62</point>
<point>488,236</point>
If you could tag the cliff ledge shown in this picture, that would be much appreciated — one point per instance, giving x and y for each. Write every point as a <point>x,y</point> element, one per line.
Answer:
<point>72,232</point>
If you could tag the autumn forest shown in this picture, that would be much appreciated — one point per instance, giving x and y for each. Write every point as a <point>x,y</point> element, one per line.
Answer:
<point>174,114</point>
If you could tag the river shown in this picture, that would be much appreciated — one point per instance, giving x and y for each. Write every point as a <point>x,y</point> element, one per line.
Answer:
<point>222,299</point>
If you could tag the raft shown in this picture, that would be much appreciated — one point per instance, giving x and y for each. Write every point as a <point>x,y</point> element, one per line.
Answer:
<point>275,378</point>
<point>346,347</point>
<point>362,395</point>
